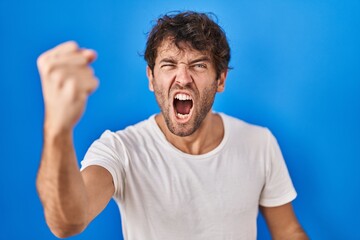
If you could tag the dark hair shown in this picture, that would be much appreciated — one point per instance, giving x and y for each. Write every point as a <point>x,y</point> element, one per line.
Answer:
<point>199,30</point>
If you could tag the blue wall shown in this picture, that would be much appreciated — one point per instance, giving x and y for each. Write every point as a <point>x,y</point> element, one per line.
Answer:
<point>296,71</point>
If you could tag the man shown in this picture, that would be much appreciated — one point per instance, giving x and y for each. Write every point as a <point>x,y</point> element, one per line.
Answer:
<point>185,173</point>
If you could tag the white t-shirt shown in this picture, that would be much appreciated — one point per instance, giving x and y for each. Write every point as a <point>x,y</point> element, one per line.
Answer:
<point>166,194</point>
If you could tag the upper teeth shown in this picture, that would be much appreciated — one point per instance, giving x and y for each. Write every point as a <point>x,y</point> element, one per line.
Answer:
<point>182,96</point>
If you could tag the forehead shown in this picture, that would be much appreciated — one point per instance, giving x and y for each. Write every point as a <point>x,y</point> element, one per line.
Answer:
<point>168,49</point>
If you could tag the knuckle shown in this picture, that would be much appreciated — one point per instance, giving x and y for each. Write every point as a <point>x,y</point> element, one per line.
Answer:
<point>46,68</point>
<point>81,60</point>
<point>40,60</point>
<point>71,89</point>
<point>57,75</point>
<point>69,46</point>
<point>72,44</point>
<point>72,86</point>
<point>91,71</point>
<point>95,83</point>
<point>44,63</point>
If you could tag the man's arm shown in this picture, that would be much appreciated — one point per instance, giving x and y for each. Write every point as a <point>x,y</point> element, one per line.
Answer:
<point>282,223</point>
<point>71,199</point>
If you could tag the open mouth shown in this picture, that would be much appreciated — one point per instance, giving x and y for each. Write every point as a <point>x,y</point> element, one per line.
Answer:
<point>183,104</point>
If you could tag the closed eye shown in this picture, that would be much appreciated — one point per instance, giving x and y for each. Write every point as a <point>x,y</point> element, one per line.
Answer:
<point>167,66</point>
<point>167,63</point>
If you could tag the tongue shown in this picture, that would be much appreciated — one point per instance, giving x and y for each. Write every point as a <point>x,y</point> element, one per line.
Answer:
<point>183,107</point>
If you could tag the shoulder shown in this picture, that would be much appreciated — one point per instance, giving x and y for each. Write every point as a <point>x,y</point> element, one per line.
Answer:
<point>241,129</point>
<point>244,135</point>
<point>120,144</point>
<point>131,135</point>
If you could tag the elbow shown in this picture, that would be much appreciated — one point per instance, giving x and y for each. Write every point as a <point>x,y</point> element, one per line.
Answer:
<point>66,230</point>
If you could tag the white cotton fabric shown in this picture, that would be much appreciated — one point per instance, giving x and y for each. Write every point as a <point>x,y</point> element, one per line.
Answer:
<point>166,194</point>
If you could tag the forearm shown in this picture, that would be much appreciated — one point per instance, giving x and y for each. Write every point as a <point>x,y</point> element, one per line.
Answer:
<point>60,185</point>
<point>299,235</point>
<point>282,223</point>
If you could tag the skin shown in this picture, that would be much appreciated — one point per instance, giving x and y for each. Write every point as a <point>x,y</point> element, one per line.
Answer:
<point>72,199</point>
<point>189,72</point>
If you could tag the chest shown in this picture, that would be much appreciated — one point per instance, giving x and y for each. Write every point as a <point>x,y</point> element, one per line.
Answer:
<point>227,185</point>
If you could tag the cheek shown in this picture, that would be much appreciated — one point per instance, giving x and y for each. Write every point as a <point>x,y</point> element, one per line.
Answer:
<point>206,84</point>
<point>209,91</point>
<point>165,86</point>
<point>160,91</point>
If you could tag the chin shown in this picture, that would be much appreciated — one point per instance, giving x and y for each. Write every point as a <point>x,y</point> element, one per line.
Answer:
<point>182,129</point>
<point>182,133</point>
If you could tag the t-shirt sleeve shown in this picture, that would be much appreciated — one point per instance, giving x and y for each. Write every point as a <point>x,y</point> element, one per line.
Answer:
<point>278,189</point>
<point>110,153</point>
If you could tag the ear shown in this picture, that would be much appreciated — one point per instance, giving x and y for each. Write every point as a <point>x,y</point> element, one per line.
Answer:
<point>221,81</point>
<point>150,77</point>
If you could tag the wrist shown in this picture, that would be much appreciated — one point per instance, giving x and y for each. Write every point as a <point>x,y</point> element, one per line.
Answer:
<point>53,132</point>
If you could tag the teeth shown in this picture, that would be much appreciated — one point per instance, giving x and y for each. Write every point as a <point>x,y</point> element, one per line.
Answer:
<point>182,97</point>
<point>182,116</point>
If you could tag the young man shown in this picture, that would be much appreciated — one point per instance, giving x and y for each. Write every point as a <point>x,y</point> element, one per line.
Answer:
<point>185,173</point>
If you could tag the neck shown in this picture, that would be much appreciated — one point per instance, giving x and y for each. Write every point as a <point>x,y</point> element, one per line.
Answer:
<point>207,137</point>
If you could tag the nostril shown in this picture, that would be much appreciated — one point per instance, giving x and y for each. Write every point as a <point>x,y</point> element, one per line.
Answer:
<point>184,78</point>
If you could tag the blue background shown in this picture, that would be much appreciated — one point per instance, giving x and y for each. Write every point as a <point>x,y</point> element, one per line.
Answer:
<point>296,71</point>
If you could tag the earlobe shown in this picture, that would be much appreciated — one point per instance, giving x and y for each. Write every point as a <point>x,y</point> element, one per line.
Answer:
<point>221,81</point>
<point>150,77</point>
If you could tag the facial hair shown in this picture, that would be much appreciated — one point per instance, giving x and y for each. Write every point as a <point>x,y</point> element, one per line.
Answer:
<point>202,106</point>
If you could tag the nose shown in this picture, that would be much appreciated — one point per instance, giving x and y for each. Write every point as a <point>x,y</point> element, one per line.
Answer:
<point>183,76</point>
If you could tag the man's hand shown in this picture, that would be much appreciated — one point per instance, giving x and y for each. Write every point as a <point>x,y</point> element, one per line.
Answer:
<point>70,199</point>
<point>67,80</point>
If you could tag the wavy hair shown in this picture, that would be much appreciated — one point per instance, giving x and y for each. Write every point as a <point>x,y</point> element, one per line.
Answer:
<point>199,30</point>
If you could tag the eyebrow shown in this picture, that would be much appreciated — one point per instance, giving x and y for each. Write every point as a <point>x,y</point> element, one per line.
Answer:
<point>200,59</point>
<point>167,60</point>
<point>172,60</point>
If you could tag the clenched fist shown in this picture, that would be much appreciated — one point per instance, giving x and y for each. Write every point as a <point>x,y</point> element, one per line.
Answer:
<point>67,80</point>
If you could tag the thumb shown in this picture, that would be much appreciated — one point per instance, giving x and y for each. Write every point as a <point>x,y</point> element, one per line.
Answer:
<point>89,54</point>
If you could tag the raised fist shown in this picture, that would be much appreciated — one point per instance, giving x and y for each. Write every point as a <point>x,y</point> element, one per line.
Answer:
<point>67,80</point>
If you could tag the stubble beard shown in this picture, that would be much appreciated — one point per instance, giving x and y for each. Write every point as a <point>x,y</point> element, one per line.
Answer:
<point>200,111</point>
